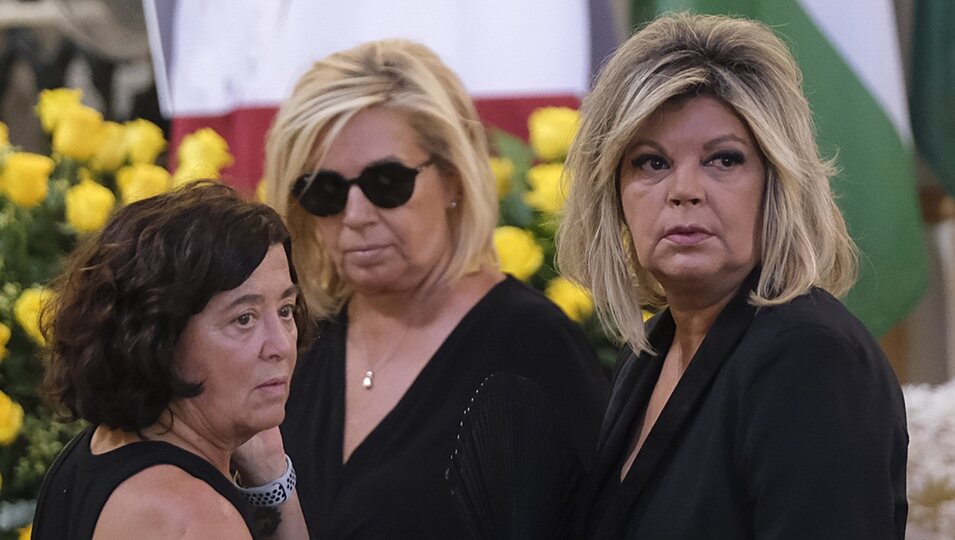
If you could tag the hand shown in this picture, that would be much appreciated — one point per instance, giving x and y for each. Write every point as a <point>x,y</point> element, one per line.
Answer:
<point>261,459</point>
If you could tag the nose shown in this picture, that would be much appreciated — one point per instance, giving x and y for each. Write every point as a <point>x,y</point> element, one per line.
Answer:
<point>279,342</point>
<point>686,187</point>
<point>359,211</point>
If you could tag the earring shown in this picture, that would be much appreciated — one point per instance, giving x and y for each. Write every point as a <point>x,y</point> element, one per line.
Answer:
<point>453,204</point>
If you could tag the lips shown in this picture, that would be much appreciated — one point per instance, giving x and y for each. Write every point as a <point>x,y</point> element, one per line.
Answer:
<point>687,235</point>
<point>365,255</point>
<point>363,249</point>
<point>277,385</point>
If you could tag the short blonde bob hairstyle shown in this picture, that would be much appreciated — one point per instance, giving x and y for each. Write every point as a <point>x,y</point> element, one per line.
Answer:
<point>406,77</point>
<point>743,64</point>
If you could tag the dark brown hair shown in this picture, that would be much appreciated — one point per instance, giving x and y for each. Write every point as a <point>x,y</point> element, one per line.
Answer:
<point>127,294</point>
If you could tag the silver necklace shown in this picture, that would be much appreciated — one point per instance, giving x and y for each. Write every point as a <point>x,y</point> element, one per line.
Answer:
<point>368,381</point>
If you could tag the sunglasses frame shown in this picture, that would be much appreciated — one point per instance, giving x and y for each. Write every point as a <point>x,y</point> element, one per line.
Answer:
<point>303,184</point>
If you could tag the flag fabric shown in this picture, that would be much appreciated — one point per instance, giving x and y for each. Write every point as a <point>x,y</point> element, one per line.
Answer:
<point>932,96</point>
<point>849,55</point>
<point>228,64</point>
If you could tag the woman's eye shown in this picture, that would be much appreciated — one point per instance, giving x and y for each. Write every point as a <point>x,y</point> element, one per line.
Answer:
<point>649,161</point>
<point>728,159</point>
<point>244,320</point>
<point>287,311</point>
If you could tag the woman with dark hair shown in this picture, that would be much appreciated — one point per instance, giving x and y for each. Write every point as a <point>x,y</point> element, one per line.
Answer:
<point>174,334</point>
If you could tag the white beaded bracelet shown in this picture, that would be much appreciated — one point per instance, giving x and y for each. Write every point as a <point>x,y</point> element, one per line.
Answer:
<point>275,492</point>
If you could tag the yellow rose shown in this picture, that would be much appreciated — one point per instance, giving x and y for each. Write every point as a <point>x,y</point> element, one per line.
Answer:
<point>144,141</point>
<point>551,131</point>
<point>205,146</point>
<point>111,153</point>
<point>88,205</point>
<point>26,178</point>
<point>78,133</point>
<point>26,532</point>
<point>4,339</point>
<point>53,103</point>
<point>517,251</point>
<point>4,135</point>
<point>190,172</point>
<point>546,193</point>
<point>261,192</point>
<point>569,297</point>
<point>502,168</point>
<point>141,180</point>
<point>11,419</point>
<point>26,311</point>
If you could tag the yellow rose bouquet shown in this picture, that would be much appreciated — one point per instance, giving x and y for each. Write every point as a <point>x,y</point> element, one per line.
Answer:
<point>531,186</point>
<point>48,202</point>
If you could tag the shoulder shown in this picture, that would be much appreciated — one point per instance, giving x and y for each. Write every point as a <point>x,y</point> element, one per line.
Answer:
<point>815,320</point>
<point>814,349</point>
<point>153,504</point>
<point>519,306</point>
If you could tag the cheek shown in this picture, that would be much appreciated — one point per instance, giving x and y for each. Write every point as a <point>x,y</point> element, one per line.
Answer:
<point>421,230</point>
<point>743,221</point>
<point>640,215</point>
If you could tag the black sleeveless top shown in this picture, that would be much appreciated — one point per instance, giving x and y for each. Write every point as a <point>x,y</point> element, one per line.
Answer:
<point>78,483</point>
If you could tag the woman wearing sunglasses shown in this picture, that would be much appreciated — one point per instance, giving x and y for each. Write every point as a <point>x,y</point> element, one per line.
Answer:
<point>380,165</point>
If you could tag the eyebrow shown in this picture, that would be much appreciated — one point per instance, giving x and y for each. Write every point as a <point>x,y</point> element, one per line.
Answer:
<point>258,298</point>
<point>716,141</point>
<point>380,161</point>
<point>634,145</point>
<point>722,139</point>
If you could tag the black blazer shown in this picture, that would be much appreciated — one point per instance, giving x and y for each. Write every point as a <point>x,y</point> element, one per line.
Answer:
<point>788,423</point>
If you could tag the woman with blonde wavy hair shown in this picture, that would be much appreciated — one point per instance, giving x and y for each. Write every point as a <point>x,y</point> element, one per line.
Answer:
<point>380,166</point>
<point>756,406</point>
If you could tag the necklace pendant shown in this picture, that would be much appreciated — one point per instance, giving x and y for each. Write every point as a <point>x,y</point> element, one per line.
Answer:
<point>368,380</point>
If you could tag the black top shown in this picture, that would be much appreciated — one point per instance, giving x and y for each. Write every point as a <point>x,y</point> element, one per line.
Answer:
<point>79,483</point>
<point>788,423</point>
<point>394,485</point>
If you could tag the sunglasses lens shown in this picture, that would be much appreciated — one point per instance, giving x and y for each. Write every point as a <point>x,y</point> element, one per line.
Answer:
<point>325,196</point>
<point>388,185</point>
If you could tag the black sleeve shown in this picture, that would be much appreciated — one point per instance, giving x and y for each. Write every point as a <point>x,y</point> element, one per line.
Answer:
<point>823,440</point>
<point>553,351</point>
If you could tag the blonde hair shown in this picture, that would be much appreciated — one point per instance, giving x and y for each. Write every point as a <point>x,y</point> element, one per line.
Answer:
<point>742,63</point>
<point>399,75</point>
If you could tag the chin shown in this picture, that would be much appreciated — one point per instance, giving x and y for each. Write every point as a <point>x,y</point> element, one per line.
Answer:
<point>264,419</point>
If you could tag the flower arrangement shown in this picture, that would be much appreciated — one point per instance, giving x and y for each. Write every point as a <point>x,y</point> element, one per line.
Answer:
<point>47,204</point>
<point>930,413</point>
<point>531,187</point>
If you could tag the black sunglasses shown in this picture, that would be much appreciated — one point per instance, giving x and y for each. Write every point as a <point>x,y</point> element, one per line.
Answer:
<point>387,185</point>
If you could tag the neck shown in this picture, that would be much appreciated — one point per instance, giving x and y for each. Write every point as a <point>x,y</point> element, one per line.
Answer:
<point>174,430</point>
<point>693,316</point>
<point>384,310</point>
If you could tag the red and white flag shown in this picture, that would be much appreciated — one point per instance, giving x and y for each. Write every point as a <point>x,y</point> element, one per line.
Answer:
<point>227,64</point>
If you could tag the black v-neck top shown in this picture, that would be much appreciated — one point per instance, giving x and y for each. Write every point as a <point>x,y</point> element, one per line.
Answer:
<point>79,483</point>
<point>393,485</point>
<point>788,423</point>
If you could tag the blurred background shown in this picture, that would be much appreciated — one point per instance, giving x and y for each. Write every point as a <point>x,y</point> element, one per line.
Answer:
<point>217,64</point>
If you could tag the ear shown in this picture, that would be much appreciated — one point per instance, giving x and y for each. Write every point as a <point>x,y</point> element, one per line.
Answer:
<point>453,188</point>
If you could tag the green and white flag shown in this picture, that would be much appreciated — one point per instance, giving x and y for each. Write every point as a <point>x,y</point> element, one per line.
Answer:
<point>932,99</point>
<point>848,52</point>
